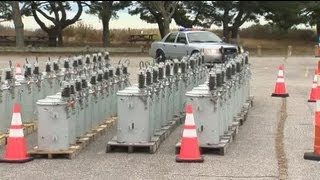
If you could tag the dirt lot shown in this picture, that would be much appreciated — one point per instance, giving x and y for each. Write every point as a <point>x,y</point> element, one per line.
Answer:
<point>254,154</point>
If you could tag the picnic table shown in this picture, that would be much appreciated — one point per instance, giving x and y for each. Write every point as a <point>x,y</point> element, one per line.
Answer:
<point>7,40</point>
<point>148,38</point>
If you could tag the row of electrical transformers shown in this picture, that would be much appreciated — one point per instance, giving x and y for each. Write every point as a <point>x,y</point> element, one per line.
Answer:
<point>217,95</point>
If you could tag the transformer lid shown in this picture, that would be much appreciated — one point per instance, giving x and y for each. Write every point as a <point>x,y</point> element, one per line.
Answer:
<point>56,96</point>
<point>199,91</point>
<point>50,102</point>
<point>132,91</point>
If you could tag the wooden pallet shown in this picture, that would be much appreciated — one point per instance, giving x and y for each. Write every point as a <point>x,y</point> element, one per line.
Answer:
<point>81,143</point>
<point>69,153</point>
<point>243,115</point>
<point>97,132</point>
<point>3,138</point>
<point>219,149</point>
<point>29,127</point>
<point>150,147</point>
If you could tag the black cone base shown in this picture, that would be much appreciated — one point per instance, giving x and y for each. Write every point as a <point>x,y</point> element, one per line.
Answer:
<point>16,161</point>
<point>190,160</point>
<point>311,156</point>
<point>280,95</point>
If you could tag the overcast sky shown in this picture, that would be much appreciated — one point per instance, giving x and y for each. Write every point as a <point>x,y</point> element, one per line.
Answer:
<point>125,21</point>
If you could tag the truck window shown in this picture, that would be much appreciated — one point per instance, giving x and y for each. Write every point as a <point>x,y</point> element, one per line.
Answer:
<point>171,38</point>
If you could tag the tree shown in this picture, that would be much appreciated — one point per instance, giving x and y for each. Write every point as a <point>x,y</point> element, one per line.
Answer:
<point>283,14</point>
<point>191,13</point>
<point>18,24</point>
<point>159,12</point>
<point>311,14</point>
<point>9,10</point>
<point>105,10</point>
<point>232,14</point>
<point>59,19</point>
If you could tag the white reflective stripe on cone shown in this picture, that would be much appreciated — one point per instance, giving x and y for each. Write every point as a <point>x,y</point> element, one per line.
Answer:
<point>280,73</point>
<point>189,133</point>
<point>16,119</point>
<point>314,85</point>
<point>189,120</point>
<point>16,133</point>
<point>281,80</point>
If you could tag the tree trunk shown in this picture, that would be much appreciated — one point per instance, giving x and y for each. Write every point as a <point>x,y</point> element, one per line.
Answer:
<point>318,31</point>
<point>106,32</point>
<point>60,38</point>
<point>52,39</point>
<point>161,29</point>
<point>234,33</point>
<point>226,33</point>
<point>18,24</point>
<point>166,25</point>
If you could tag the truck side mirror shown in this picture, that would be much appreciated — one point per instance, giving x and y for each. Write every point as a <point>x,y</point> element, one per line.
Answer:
<point>223,39</point>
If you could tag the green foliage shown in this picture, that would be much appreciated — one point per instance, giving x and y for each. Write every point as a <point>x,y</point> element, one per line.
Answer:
<point>6,10</point>
<point>283,14</point>
<point>192,13</point>
<point>311,12</point>
<point>107,8</point>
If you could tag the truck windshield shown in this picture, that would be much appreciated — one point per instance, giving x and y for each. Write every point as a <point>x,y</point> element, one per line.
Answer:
<point>202,37</point>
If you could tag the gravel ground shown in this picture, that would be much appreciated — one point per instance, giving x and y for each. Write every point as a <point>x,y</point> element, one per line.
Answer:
<point>251,156</point>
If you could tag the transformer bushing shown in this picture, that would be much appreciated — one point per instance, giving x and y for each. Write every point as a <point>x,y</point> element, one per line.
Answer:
<point>47,81</point>
<point>36,86</point>
<point>69,110</point>
<point>59,76</point>
<point>80,108</point>
<point>93,101</point>
<point>183,84</point>
<point>101,97</point>
<point>6,101</point>
<point>151,99</point>
<point>26,96</point>
<point>192,77</point>
<point>107,94</point>
<point>228,96</point>
<point>87,103</point>
<point>114,89</point>
<point>169,91</point>
<point>74,116</point>
<point>176,89</point>
<point>222,93</point>
<point>125,74</point>
<point>157,98</point>
<point>162,93</point>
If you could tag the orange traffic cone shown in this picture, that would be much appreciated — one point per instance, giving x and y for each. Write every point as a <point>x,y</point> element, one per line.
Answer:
<point>313,95</point>
<point>280,87</point>
<point>189,149</point>
<point>16,149</point>
<point>315,155</point>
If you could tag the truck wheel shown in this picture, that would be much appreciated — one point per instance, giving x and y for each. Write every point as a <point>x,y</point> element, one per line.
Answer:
<point>160,56</point>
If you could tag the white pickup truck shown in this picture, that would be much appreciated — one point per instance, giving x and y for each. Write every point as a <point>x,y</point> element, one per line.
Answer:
<point>186,42</point>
